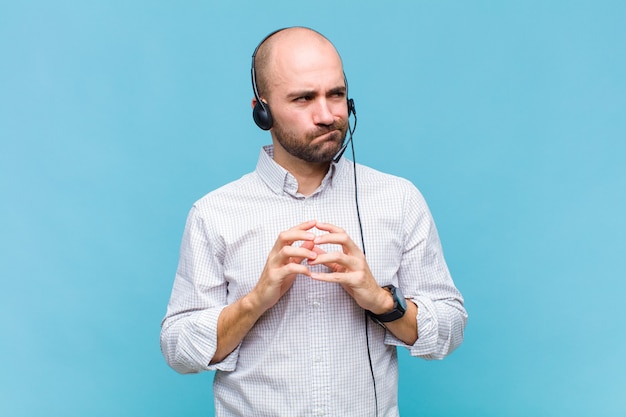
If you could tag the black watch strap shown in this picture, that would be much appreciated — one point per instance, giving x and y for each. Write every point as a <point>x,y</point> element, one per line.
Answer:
<point>399,307</point>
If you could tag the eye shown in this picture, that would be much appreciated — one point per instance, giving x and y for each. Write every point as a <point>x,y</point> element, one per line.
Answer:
<point>304,98</point>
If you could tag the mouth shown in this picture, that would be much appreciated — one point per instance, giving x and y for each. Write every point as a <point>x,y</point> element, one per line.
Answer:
<point>331,135</point>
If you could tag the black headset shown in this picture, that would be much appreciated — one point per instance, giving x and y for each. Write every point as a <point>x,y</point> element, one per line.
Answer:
<point>261,111</point>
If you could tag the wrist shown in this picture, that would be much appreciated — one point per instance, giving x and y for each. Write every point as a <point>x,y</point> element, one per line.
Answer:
<point>252,304</point>
<point>398,309</point>
<point>384,303</point>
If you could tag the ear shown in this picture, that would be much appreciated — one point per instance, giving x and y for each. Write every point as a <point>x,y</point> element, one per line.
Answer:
<point>253,102</point>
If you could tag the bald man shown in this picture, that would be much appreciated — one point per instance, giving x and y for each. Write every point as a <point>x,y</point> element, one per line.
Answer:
<point>272,290</point>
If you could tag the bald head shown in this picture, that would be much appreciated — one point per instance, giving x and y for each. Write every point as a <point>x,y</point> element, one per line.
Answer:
<point>289,50</point>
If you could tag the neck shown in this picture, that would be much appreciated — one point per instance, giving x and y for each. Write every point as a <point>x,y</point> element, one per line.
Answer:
<point>308,174</point>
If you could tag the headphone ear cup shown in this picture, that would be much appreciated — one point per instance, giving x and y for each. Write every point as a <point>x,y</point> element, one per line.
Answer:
<point>262,116</point>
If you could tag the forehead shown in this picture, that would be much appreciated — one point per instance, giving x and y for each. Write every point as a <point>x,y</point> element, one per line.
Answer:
<point>305,63</point>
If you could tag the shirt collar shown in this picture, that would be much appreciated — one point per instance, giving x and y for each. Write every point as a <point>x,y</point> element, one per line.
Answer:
<point>280,181</point>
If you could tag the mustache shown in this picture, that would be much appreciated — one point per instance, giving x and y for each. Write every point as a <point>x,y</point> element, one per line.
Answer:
<point>340,125</point>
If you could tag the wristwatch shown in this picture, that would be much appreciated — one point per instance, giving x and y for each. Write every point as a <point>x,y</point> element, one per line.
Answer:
<point>399,307</point>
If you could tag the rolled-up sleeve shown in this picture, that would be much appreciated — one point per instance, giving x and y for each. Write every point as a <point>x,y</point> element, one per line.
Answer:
<point>424,278</point>
<point>189,329</point>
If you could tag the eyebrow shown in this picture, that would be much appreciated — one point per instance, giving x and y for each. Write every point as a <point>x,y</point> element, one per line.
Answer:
<point>341,89</point>
<point>303,93</point>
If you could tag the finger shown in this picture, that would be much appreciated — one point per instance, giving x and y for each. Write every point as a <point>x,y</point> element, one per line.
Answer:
<point>329,227</point>
<point>317,249</point>
<point>338,277</point>
<point>313,250</point>
<point>336,261</point>
<point>291,269</point>
<point>306,225</point>
<point>298,254</point>
<point>336,235</point>
<point>299,232</point>
<point>308,244</point>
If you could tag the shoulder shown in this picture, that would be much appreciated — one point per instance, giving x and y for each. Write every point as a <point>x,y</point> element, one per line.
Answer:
<point>391,193</point>
<point>219,209</point>
<point>228,192</point>
<point>370,177</point>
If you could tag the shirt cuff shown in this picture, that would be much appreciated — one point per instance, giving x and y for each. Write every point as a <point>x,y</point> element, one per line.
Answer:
<point>427,331</point>
<point>197,345</point>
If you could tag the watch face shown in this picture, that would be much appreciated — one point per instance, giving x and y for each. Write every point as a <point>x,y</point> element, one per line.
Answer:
<point>399,297</point>
<point>402,303</point>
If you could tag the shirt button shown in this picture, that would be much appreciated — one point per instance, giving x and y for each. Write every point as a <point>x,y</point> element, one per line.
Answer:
<point>317,304</point>
<point>318,412</point>
<point>318,359</point>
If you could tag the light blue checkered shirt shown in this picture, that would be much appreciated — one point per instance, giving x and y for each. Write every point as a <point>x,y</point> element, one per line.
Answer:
<point>308,355</point>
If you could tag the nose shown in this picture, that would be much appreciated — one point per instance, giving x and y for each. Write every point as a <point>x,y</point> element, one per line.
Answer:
<point>323,114</point>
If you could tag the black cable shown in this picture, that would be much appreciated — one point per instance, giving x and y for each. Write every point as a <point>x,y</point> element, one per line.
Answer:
<point>356,188</point>
<point>369,357</point>
<point>358,214</point>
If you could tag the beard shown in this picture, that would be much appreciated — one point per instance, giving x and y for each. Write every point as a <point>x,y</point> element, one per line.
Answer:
<point>301,146</point>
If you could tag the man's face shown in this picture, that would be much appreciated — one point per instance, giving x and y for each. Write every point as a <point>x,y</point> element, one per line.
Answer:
<point>309,104</point>
<point>318,144</point>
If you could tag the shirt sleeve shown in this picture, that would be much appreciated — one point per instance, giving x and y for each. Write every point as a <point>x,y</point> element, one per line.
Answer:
<point>424,278</point>
<point>189,329</point>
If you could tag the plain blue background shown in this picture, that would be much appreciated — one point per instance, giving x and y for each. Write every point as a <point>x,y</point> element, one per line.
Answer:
<point>115,116</point>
